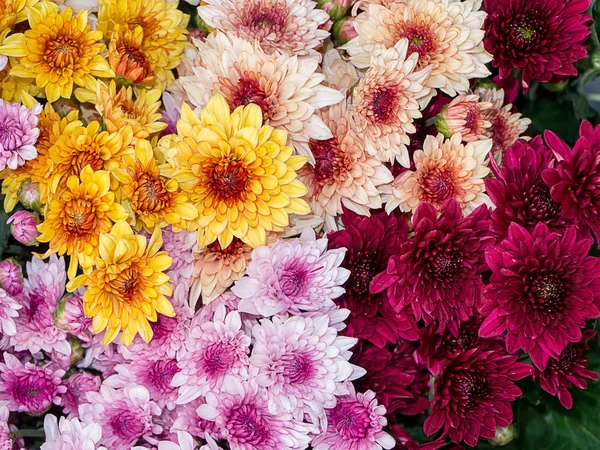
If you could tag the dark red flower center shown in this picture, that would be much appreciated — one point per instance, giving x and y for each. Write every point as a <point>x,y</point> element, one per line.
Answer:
<point>233,248</point>
<point>568,358</point>
<point>228,180</point>
<point>249,91</point>
<point>526,30</point>
<point>325,158</point>
<point>363,269</point>
<point>546,293</point>
<point>470,389</point>
<point>246,425</point>
<point>382,105</point>
<point>350,419</point>
<point>261,19</point>
<point>439,186</point>
<point>420,40</point>
<point>538,203</point>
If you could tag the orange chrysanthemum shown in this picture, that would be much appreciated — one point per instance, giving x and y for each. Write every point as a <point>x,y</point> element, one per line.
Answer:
<point>128,60</point>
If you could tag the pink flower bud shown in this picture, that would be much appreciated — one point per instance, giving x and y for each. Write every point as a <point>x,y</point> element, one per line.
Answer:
<point>24,227</point>
<point>343,30</point>
<point>29,196</point>
<point>78,385</point>
<point>11,277</point>
<point>335,8</point>
<point>69,317</point>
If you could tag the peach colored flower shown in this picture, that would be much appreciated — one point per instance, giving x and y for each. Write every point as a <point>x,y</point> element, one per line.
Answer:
<point>465,114</point>
<point>339,73</point>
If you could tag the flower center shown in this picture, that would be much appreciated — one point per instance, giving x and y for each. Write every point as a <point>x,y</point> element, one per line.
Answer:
<point>126,424</point>
<point>547,293</point>
<point>293,280</point>
<point>262,19</point>
<point>217,358</point>
<point>10,133</point>
<point>297,368</point>
<point>568,358</point>
<point>161,373</point>
<point>133,64</point>
<point>383,104</point>
<point>249,91</point>
<point>62,52</point>
<point>350,419</point>
<point>325,153</point>
<point>151,194</point>
<point>538,203</point>
<point>246,424</point>
<point>86,156</point>
<point>421,40</point>
<point>128,284</point>
<point>438,185</point>
<point>526,31</point>
<point>445,265</point>
<point>79,218</point>
<point>235,248</point>
<point>362,271</point>
<point>470,389</point>
<point>31,391</point>
<point>228,180</point>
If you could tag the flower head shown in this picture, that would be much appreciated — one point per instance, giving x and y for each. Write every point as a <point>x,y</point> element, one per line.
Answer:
<point>27,387</point>
<point>444,169</point>
<point>543,289</point>
<point>59,51</point>
<point>130,62</point>
<point>11,277</point>
<point>78,385</point>
<point>293,26</point>
<point>23,226</point>
<point>69,434</point>
<point>9,309</point>
<point>70,317</point>
<point>291,276</point>
<point>13,12</point>
<point>465,114</point>
<point>237,172</point>
<point>543,39</point>
<point>127,287</point>
<point>472,395</point>
<point>18,134</point>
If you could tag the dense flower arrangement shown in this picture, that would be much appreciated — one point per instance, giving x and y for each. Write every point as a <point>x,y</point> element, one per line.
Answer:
<point>294,224</point>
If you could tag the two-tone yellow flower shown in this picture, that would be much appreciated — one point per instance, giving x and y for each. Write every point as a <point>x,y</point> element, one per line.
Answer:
<point>128,286</point>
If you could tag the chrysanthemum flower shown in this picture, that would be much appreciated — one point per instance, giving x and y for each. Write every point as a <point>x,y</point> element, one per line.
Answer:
<point>544,39</point>
<point>569,370</point>
<point>465,114</point>
<point>189,420</point>
<point>444,169</point>
<point>237,172</point>
<point>543,289</point>
<point>18,134</point>
<point>370,242</point>
<point>339,73</point>
<point>9,309</point>
<point>127,287</point>
<point>13,12</point>
<point>125,415</point>
<point>446,34</point>
<point>342,172</point>
<point>59,51</point>
<point>388,99</point>
<point>11,277</point>
<point>28,387</point>
<point>152,199</point>
<point>355,423</point>
<point>570,180</point>
<point>163,37</point>
<point>6,436</point>
<point>213,351</point>
<point>70,317</point>
<point>437,272</point>
<point>287,89</point>
<point>242,414</point>
<point>120,109</point>
<point>11,87</point>
<point>301,363</point>
<point>293,26</point>
<point>78,385</point>
<point>291,276</point>
<point>69,434</point>
<point>78,214</point>
<point>472,395</point>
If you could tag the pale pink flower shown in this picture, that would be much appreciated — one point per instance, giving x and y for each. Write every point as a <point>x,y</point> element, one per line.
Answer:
<point>291,276</point>
<point>180,246</point>
<point>213,350</point>
<point>243,417</point>
<point>6,441</point>
<point>125,415</point>
<point>231,302</point>
<point>70,434</point>
<point>465,114</point>
<point>23,226</point>
<point>355,423</point>
<point>9,309</point>
<point>189,420</point>
<point>11,277</point>
<point>292,26</point>
<point>100,357</point>
<point>69,316</point>
<point>339,73</point>
<point>78,385</point>
<point>18,134</point>
<point>27,387</point>
<point>301,364</point>
<point>184,441</point>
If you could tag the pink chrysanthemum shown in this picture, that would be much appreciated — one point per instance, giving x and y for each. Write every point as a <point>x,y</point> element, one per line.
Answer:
<point>543,289</point>
<point>125,415</point>
<point>242,414</point>
<point>6,441</point>
<point>291,276</point>
<point>180,246</point>
<point>70,317</point>
<point>44,287</point>
<point>78,385</point>
<point>100,357</point>
<point>355,423</point>
<point>69,434</point>
<point>278,25</point>
<point>9,309</point>
<point>18,134</point>
<point>189,420</point>
<point>465,114</point>
<point>301,363</point>
<point>27,387</point>
<point>11,277</point>
<point>213,350</point>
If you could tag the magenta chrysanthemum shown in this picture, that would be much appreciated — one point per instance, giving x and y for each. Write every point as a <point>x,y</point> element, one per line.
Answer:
<point>437,273</point>
<point>18,134</point>
<point>27,387</point>
<point>542,38</point>
<point>9,309</point>
<point>11,277</point>
<point>77,387</point>
<point>543,289</point>
<point>473,394</point>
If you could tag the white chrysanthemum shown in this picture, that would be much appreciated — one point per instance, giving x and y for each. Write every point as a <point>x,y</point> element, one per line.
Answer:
<point>447,35</point>
<point>339,73</point>
<point>69,434</point>
<point>287,88</point>
<point>278,25</point>
<point>388,99</point>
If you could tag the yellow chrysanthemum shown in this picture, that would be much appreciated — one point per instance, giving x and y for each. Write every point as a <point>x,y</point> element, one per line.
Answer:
<point>127,58</point>
<point>163,30</point>
<point>239,174</point>
<point>152,199</point>
<point>38,170</point>
<point>11,88</point>
<point>59,51</point>
<point>13,12</point>
<point>82,146</point>
<point>120,109</point>
<point>128,287</point>
<point>77,215</point>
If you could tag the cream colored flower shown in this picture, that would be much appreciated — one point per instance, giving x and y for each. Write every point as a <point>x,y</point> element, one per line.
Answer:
<point>465,114</point>
<point>339,73</point>
<point>444,169</point>
<point>285,87</point>
<point>388,99</point>
<point>447,35</point>
<point>343,172</point>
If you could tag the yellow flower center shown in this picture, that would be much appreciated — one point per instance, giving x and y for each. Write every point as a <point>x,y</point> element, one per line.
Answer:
<point>150,194</point>
<point>64,50</point>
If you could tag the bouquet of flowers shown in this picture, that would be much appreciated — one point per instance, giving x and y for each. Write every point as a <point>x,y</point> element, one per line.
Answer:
<point>298,224</point>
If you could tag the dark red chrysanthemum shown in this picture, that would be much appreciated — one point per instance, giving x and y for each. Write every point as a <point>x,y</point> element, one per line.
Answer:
<point>519,192</point>
<point>404,441</point>
<point>370,242</point>
<point>575,180</point>
<point>437,273</point>
<point>399,382</point>
<point>541,38</point>
<point>567,371</point>
<point>542,290</point>
<point>472,395</point>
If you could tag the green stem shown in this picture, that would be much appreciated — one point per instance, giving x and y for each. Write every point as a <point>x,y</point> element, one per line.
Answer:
<point>34,433</point>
